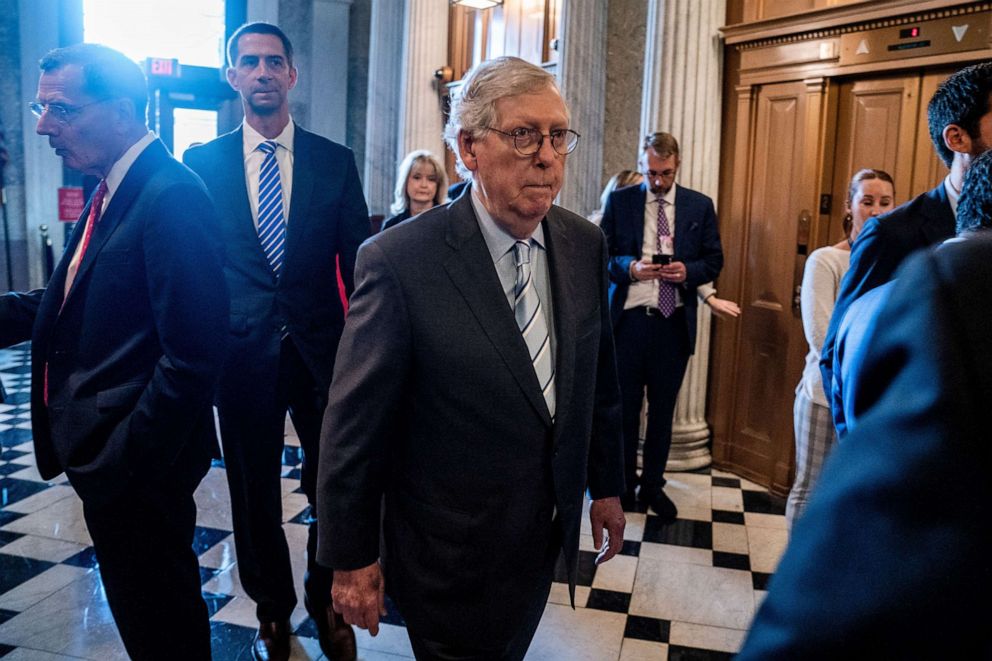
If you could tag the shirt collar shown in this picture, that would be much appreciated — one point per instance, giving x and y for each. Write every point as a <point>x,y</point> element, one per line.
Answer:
<point>952,195</point>
<point>668,197</point>
<point>119,169</point>
<point>252,138</point>
<point>498,240</point>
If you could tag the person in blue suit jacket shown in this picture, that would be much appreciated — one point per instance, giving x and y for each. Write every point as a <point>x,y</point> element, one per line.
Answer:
<point>127,342</point>
<point>890,560</point>
<point>657,258</point>
<point>960,121</point>
<point>291,208</point>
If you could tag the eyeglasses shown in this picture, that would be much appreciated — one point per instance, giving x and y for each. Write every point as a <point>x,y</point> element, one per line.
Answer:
<point>529,141</point>
<point>60,112</point>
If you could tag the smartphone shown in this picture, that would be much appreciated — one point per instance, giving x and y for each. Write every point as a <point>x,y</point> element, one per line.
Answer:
<point>661,259</point>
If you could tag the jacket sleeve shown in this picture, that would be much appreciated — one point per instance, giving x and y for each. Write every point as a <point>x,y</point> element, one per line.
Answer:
<point>874,259</point>
<point>17,313</point>
<point>358,424</point>
<point>352,223</point>
<point>606,473</point>
<point>189,299</point>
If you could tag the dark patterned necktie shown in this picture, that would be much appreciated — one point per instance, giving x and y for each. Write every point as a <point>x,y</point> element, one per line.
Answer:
<point>666,290</point>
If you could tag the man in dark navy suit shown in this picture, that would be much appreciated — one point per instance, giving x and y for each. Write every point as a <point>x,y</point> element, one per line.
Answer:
<point>127,343</point>
<point>891,558</point>
<point>291,207</point>
<point>663,243</point>
<point>960,120</point>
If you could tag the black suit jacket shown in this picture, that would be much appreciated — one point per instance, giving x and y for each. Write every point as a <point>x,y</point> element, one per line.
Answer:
<point>697,245</point>
<point>135,351</point>
<point>435,404</point>
<point>328,220</point>
<point>884,242</point>
<point>890,560</point>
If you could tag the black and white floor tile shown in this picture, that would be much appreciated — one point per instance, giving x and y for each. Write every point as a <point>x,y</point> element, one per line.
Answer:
<point>684,591</point>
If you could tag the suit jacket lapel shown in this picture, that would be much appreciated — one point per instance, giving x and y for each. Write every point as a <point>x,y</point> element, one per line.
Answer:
<point>231,191</point>
<point>559,258</point>
<point>146,163</point>
<point>303,182</point>
<point>470,267</point>
<point>639,199</point>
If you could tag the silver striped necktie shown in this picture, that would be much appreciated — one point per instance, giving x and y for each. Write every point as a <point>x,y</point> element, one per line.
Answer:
<point>533,325</point>
<point>271,221</point>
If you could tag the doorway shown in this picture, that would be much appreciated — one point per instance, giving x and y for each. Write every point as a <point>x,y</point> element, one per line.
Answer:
<point>804,140</point>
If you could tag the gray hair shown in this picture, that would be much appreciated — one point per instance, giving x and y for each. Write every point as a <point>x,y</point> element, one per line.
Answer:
<point>401,201</point>
<point>473,110</point>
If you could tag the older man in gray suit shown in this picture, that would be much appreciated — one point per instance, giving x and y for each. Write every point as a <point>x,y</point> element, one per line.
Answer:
<point>476,390</point>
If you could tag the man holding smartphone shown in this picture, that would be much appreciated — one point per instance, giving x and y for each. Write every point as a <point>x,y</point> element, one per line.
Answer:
<point>663,243</point>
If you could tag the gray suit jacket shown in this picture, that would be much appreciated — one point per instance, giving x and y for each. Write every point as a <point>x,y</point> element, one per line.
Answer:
<point>435,405</point>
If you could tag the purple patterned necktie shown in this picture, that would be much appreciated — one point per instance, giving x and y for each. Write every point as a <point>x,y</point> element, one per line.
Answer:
<point>666,290</point>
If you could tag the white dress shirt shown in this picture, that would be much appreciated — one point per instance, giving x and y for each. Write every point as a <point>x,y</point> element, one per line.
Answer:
<point>253,165</point>
<point>644,293</point>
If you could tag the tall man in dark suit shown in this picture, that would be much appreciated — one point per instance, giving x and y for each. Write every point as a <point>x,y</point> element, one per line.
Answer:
<point>127,342</point>
<point>960,120</point>
<point>891,560</point>
<point>475,391</point>
<point>663,243</point>
<point>291,206</point>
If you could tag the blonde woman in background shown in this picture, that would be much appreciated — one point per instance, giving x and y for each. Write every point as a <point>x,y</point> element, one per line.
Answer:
<point>420,185</point>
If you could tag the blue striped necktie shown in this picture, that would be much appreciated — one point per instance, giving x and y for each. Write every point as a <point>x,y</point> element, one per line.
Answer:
<point>271,220</point>
<point>533,324</point>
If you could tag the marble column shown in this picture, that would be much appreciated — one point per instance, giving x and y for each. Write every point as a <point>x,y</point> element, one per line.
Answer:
<point>682,84</point>
<point>425,50</point>
<point>328,73</point>
<point>386,28</point>
<point>582,76</point>
<point>34,174</point>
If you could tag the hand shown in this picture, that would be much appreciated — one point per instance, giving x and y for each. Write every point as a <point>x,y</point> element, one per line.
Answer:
<point>644,270</point>
<point>722,307</point>
<point>359,596</point>
<point>674,272</point>
<point>607,513</point>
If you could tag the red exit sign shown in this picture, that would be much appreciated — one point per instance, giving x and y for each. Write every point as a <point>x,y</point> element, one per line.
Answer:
<point>160,66</point>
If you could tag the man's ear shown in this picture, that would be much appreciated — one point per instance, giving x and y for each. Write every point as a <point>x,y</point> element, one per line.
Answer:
<point>466,149</point>
<point>957,139</point>
<point>232,76</point>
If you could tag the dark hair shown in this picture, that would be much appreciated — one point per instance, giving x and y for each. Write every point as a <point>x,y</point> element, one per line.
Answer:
<point>962,100</point>
<point>975,203</point>
<point>258,27</point>
<point>852,190</point>
<point>107,73</point>
<point>664,143</point>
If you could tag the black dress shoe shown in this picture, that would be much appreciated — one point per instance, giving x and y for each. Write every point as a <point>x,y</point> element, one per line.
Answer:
<point>336,637</point>
<point>662,505</point>
<point>271,642</point>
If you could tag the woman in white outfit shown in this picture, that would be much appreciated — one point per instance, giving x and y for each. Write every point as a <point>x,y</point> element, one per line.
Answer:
<point>869,194</point>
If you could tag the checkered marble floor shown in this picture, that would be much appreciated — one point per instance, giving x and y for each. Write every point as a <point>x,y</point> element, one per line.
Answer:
<point>683,591</point>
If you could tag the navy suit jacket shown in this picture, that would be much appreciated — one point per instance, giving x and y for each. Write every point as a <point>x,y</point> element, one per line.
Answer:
<point>328,220</point>
<point>890,560</point>
<point>697,245</point>
<point>885,241</point>
<point>435,404</point>
<point>134,351</point>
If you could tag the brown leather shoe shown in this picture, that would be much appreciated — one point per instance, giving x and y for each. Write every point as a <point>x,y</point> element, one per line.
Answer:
<point>271,642</point>
<point>337,639</point>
